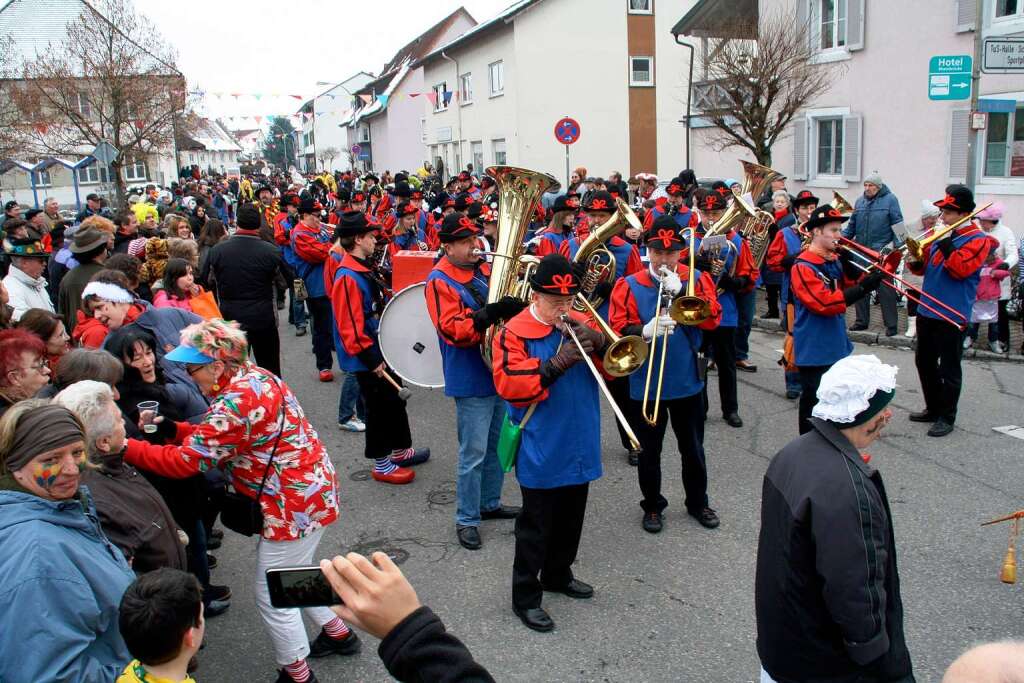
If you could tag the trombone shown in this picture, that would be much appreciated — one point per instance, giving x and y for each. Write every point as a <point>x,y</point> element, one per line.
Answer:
<point>915,247</point>
<point>634,442</point>
<point>624,355</point>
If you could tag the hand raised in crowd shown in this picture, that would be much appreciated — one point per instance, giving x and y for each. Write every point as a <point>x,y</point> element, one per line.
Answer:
<point>376,596</point>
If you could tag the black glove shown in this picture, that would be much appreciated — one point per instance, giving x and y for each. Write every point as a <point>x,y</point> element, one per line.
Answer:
<point>703,263</point>
<point>871,282</point>
<point>848,261</point>
<point>945,245</point>
<point>788,261</point>
<point>504,308</point>
<point>603,290</point>
<point>853,294</point>
<point>554,367</point>
<point>590,338</point>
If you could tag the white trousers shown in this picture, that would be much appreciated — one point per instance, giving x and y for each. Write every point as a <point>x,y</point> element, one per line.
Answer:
<point>287,632</point>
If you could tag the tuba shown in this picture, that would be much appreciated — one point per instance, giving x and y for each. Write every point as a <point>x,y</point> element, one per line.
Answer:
<point>597,258</point>
<point>518,190</point>
<point>757,228</point>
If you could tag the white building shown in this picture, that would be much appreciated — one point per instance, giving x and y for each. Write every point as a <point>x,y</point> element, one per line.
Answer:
<point>878,115</point>
<point>330,110</point>
<point>249,139</point>
<point>211,147</point>
<point>612,66</point>
<point>387,118</point>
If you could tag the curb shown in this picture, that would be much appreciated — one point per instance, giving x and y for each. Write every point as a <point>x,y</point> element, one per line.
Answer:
<point>897,342</point>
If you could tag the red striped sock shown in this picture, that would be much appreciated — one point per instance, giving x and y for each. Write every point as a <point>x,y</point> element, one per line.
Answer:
<point>299,671</point>
<point>336,629</point>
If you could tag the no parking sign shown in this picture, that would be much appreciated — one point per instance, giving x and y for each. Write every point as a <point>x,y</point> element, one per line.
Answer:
<point>567,130</point>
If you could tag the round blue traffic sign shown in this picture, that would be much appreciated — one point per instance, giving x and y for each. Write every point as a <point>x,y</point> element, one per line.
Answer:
<point>567,131</point>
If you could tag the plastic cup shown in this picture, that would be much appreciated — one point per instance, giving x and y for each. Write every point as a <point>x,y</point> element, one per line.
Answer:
<point>153,408</point>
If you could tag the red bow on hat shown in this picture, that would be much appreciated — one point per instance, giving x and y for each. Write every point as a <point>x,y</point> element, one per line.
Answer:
<point>562,282</point>
<point>673,189</point>
<point>803,194</point>
<point>572,203</point>
<point>358,197</point>
<point>709,203</point>
<point>598,204</point>
<point>948,200</point>
<point>666,236</point>
<point>466,223</point>
<point>723,191</point>
<point>834,213</point>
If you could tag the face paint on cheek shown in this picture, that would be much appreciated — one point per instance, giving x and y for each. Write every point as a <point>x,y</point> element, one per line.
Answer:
<point>46,476</point>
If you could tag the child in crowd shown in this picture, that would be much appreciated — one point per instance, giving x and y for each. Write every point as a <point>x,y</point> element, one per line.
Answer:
<point>161,621</point>
<point>179,286</point>
<point>986,306</point>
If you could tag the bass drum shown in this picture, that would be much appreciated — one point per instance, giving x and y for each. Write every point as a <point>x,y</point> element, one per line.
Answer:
<point>408,340</point>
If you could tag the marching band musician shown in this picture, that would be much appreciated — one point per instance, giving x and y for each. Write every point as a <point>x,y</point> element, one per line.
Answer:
<point>540,373</point>
<point>456,295</point>
<point>424,220</point>
<point>486,218</point>
<point>406,236</point>
<point>559,229</point>
<point>357,298</point>
<point>311,243</point>
<point>360,202</point>
<point>822,288</point>
<point>951,270</point>
<point>735,273</point>
<point>634,305</point>
<point>627,261</point>
<point>674,206</point>
<point>781,255</point>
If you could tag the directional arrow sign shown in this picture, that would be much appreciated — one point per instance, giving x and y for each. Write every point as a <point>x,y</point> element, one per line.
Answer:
<point>949,77</point>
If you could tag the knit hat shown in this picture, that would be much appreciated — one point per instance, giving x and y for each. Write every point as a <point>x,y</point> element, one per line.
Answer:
<point>992,213</point>
<point>248,217</point>
<point>875,178</point>
<point>854,390</point>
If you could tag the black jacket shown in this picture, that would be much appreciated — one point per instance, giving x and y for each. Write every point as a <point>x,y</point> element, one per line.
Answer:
<point>241,270</point>
<point>419,649</point>
<point>827,591</point>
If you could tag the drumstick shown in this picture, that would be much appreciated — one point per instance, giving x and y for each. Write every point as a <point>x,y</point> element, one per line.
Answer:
<point>403,393</point>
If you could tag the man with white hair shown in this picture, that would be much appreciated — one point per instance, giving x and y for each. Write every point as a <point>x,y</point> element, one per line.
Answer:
<point>989,663</point>
<point>827,590</point>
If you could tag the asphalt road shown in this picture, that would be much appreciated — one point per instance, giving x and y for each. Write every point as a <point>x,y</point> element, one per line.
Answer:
<point>677,606</point>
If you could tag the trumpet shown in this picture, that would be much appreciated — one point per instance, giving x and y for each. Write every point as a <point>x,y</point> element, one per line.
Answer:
<point>915,247</point>
<point>634,442</point>
<point>663,304</point>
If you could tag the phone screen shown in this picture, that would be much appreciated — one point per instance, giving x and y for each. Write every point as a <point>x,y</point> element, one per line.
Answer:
<point>300,587</point>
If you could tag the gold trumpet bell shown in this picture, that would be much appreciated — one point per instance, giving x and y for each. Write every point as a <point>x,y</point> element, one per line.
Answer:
<point>625,355</point>
<point>689,310</point>
<point>840,204</point>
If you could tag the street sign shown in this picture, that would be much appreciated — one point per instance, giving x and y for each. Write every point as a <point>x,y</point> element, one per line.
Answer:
<point>1003,56</point>
<point>567,131</point>
<point>356,149</point>
<point>949,77</point>
<point>105,153</point>
<point>997,106</point>
<point>364,155</point>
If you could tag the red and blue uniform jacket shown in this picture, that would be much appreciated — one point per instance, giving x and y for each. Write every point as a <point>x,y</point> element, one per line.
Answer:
<point>550,243</point>
<point>425,222</point>
<point>453,294</point>
<point>685,218</point>
<point>634,302</point>
<point>819,322</point>
<point>787,242</point>
<point>745,266</point>
<point>954,280</point>
<point>408,241</point>
<point>356,302</point>
<point>312,247</point>
<point>627,260</point>
<point>561,443</point>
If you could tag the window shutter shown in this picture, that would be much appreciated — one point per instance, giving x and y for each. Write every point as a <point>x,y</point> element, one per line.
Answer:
<point>802,25</point>
<point>853,127</point>
<point>800,148</point>
<point>959,132</point>
<point>855,25</point>
<point>966,12</point>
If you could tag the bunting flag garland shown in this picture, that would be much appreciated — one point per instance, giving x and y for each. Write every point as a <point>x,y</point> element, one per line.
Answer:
<point>366,99</point>
<point>258,119</point>
<point>447,97</point>
<point>432,96</point>
<point>383,99</point>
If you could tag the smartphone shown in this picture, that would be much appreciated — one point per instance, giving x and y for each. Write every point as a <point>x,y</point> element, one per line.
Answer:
<point>300,587</point>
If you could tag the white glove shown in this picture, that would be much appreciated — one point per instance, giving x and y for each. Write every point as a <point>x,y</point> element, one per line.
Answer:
<point>671,282</point>
<point>665,324</point>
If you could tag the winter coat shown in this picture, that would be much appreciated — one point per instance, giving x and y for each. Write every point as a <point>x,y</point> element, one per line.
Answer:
<point>63,582</point>
<point>88,332</point>
<point>989,286</point>
<point>420,649</point>
<point>1006,252</point>
<point>26,292</point>
<point>872,220</point>
<point>242,270</point>
<point>69,298</point>
<point>827,590</point>
<point>161,299</point>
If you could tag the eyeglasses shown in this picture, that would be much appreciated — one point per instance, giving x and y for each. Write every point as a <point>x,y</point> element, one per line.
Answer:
<point>193,369</point>
<point>38,365</point>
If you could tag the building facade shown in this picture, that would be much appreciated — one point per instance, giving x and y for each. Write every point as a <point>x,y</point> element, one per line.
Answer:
<point>212,147</point>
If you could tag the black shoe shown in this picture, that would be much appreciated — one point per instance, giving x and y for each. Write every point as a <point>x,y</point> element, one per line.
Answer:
<point>891,332</point>
<point>536,618</point>
<point>211,561</point>
<point>707,518</point>
<point>324,645</point>
<point>217,534</point>
<point>216,608</point>
<point>213,543</point>
<point>858,327</point>
<point>792,394</point>
<point>501,512</point>
<point>300,331</point>
<point>652,522</point>
<point>634,456</point>
<point>770,316</point>
<point>923,416</point>
<point>733,420</point>
<point>469,537</point>
<point>217,593</point>
<point>283,677</point>
<point>745,366</point>
<point>574,589</point>
<point>940,428</point>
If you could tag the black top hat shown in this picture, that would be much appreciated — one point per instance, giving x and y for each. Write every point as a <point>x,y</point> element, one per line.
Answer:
<point>26,247</point>
<point>462,202</point>
<point>664,233</point>
<point>474,211</point>
<point>676,188</point>
<point>264,188</point>
<point>354,223</point>
<point>823,215</point>
<point>402,190</point>
<point>401,178</point>
<point>371,176</point>
<point>805,197</point>
<point>958,198</point>
<point>601,201</point>
<point>456,226</point>
<point>555,275</point>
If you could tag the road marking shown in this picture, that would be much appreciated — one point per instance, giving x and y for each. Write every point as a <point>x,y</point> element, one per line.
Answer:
<point>1011,430</point>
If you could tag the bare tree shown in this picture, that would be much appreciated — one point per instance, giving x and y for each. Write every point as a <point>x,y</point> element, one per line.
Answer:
<point>112,77</point>
<point>762,77</point>
<point>12,127</point>
<point>327,157</point>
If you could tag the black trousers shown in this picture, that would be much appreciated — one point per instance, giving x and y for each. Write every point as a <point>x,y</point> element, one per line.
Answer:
<point>687,417</point>
<point>772,295</point>
<point>939,350</point>
<point>619,389</point>
<point>1004,323</point>
<point>720,343</point>
<point>887,298</point>
<point>265,344</point>
<point>548,533</point>
<point>323,338</point>
<point>387,423</point>
<point>810,378</point>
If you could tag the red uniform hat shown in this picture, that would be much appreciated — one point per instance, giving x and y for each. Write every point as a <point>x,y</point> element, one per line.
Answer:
<point>805,197</point>
<point>713,200</point>
<point>358,197</point>
<point>958,197</point>
<point>824,215</point>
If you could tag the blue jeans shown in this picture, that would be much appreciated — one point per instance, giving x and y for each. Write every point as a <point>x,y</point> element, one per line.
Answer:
<point>745,304</point>
<point>297,312</point>
<point>351,400</point>
<point>479,473</point>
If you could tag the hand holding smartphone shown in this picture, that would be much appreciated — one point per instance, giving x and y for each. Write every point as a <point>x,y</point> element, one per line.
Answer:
<point>300,587</point>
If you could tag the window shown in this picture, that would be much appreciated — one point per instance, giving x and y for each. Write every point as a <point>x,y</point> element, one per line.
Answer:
<point>496,73</point>
<point>1006,9</point>
<point>95,173</point>
<point>498,146</point>
<point>640,6</point>
<point>466,88</point>
<point>477,150</point>
<point>828,24</point>
<point>41,178</point>
<point>440,99</point>
<point>1004,144</point>
<point>82,105</point>
<point>134,169</point>
<point>829,150</point>
<point>641,71</point>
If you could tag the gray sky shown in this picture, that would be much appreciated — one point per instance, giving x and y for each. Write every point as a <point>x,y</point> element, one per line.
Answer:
<point>287,46</point>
